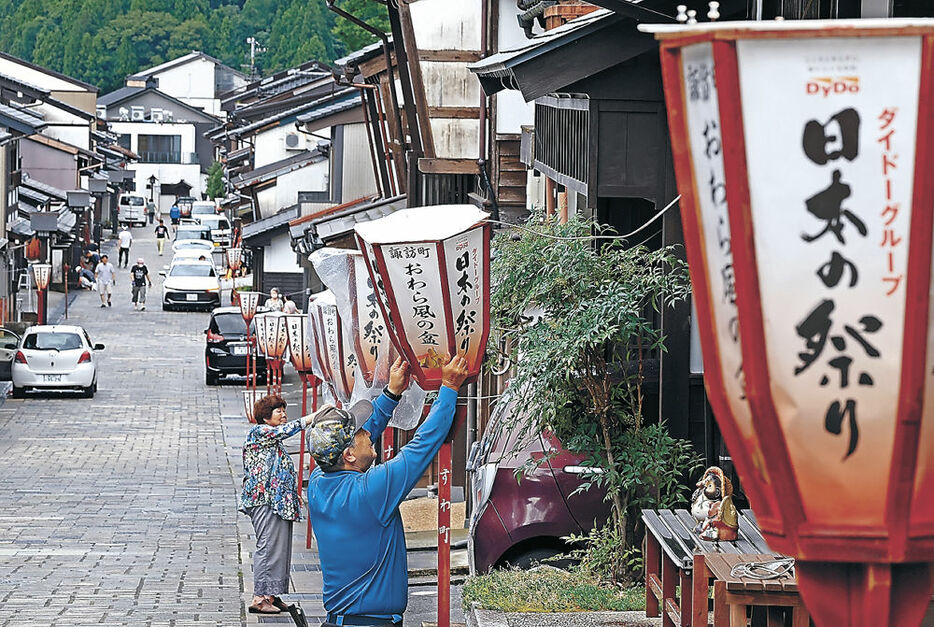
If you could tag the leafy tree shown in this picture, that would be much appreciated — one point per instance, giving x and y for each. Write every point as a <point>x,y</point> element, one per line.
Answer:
<point>351,36</point>
<point>575,319</point>
<point>215,180</point>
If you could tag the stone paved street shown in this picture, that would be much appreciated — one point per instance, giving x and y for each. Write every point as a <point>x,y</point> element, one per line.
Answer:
<point>119,510</point>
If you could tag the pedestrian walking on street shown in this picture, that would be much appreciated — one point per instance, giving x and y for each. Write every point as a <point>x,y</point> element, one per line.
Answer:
<point>126,238</point>
<point>270,498</point>
<point>106,277</point>
<point>161,234</point>
<point>354,506</point>
<point>273,303</point>
<point>140,277</point>
<point>174,214</point>
<point>152,212</point>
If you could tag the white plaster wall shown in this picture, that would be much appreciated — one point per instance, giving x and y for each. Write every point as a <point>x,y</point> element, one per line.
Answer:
<point>270,144</point>
<point>456,139</point>
<point>165,172</point>
<point>266,202</point>
<point>512,111</point>
<point>189,81</point>
<point>449,84</point>
<point>447,24</point>
<point>358,178</point>
<point>311,178</point>
<point>278,256</point>
<point>74,135</point>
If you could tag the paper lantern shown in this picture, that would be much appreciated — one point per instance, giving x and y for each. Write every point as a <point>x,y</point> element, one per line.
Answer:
<point>338,361</point>
<point>42,273</point>
<point>801,153</point>
<point>249,302</point>
<point>274,337</point>
<point>234,258</point>
<point>300,342</point>
<point>431,268</point>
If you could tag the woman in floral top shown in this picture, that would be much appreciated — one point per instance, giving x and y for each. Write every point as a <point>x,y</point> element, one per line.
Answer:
<point>270,497</point>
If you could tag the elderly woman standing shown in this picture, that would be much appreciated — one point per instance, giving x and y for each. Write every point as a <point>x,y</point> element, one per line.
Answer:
<point>271,499</point>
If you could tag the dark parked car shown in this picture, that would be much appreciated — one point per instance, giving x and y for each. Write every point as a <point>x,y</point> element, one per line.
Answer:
<point>9,342</point>
<point>520,522</point>
<point>225,349</point>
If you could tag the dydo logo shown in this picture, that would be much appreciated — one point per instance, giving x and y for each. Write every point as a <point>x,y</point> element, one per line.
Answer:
<point>827,85</point>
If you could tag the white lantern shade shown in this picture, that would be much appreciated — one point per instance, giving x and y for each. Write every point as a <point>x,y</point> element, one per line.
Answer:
<point>260,333</point>
<point>431,268</point>
<point>249,301</point>
<point>274,338</point>
<point>338,360</point>
<point>234,257</point>
<point>300,342</point>
<point>42,273</point>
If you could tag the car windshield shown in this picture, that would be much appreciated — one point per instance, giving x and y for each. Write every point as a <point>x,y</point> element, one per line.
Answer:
<point>202,233</point>
<point>45,340</point>
<point>136,201</point>
<point>208,209</point>
<point>215,224</point>
<point>230,324</point>
<point>192,269</point>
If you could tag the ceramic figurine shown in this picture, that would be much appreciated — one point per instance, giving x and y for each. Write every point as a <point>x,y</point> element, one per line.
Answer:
<point>712,505</point>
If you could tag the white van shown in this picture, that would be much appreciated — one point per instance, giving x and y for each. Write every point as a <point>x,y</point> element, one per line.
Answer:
<point>203,208</point>
<point>220,228</point>
<point>131,209</point>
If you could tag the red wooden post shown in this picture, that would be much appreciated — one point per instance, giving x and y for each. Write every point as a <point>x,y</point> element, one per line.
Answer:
<point>389,443</point>
<point>652,556</point>
<point>444,535</point>
<point>669,581</point>
<point>699,593</point>
<point>301,446</point>
<point>40,317</point>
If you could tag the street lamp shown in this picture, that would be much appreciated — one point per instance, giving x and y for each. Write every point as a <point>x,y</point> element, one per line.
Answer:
<point>152,187</point>
<point>801,151</point>
<point>249,301</point>
<point>42,273</point>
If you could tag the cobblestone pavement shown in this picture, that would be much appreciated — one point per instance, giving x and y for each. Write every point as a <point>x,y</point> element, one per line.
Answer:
<point>119,510</point>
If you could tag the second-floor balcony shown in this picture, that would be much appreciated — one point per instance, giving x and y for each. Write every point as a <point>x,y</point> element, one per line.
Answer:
<point>183,158</point>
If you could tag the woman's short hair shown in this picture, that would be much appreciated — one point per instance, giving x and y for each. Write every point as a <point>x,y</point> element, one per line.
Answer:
<point>263,408</point>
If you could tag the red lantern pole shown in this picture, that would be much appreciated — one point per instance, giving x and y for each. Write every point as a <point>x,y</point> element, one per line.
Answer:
<point>41,306</point>
<point>389,443</point>
<point>444,535</point>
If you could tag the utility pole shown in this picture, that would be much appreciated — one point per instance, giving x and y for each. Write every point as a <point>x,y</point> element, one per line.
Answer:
<point>255,49</point>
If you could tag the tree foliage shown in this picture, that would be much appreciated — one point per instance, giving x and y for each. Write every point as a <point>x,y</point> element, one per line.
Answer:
<point>574,314</point>
<point>215,180</point>
<point>103,41</point>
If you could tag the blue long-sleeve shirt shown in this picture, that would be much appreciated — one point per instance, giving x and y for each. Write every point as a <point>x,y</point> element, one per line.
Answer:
<point>356,519</point>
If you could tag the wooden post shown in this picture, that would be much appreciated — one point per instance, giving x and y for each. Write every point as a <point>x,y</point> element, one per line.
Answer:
<point>652,554</point>
<point>699,592</point>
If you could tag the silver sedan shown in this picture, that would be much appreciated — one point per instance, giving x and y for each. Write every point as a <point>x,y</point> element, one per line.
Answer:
<point>57,357</point>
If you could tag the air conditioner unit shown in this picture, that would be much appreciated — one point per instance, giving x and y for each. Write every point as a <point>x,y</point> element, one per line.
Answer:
<point>294,141</point>
<point>157,115</point>
<point>137,114</point>
<point>102,112</point>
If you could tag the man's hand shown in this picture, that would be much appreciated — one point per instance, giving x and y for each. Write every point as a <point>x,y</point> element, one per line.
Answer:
<point>454,372</point>
<point>398,377</point>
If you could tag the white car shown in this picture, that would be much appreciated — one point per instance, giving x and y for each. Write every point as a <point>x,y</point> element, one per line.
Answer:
<point>55,357</point>
<point>191,283</point>
<point>193,244</point>
<point>220,228</point>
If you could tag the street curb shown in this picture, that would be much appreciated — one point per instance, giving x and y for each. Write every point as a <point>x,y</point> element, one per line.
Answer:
<point>477,617</point>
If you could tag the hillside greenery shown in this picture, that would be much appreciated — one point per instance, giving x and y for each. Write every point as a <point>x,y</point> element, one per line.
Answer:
<point>103,41</point>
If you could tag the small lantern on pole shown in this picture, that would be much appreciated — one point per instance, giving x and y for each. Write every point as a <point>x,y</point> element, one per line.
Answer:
<point>338,361</point>
<point>249,302</point>
<point>42,273</point>
<point>431,268</point>
<point>273,339</point>
<point>802,152</point>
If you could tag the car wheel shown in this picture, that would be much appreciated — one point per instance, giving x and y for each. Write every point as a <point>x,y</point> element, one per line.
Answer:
<point>165,307</point>
<point>89,391</point>
<point>531,557</point>
<point>19,392</point>
<point>210,379</point>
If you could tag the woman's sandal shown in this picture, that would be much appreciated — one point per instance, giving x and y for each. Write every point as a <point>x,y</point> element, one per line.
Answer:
<point>282,605</point>
<point>264,608</point>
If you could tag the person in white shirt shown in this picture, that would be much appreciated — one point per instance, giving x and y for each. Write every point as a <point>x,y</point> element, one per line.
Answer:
<point>106,279</point>
<point>126,238</point>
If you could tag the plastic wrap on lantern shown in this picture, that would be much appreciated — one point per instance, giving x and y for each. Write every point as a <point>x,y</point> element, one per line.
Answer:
<point>344,272</point>
<point>431,270</point>
<point>338,361</point>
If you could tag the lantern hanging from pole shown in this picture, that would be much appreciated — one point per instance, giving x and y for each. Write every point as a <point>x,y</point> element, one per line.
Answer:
<point>300,342</point>
<point>234,257</point>
<point>338,360</point>
<point>802,152</point>
<point>431,268</point>
<point>249,302</point>
<point>42,273</point>
<point>274,339</point>
<point>259,332</point>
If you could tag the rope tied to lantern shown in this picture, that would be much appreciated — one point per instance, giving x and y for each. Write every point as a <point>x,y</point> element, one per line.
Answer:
<point>773,569</point>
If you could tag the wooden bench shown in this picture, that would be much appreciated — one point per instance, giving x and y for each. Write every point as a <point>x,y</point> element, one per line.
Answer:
<point>669,556</point>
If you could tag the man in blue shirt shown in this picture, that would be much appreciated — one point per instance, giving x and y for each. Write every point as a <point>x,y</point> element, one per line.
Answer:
<point>354,506</point>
